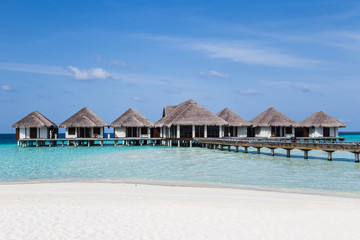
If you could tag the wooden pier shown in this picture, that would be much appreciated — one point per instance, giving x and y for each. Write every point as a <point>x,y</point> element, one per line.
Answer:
<point>328,145</point>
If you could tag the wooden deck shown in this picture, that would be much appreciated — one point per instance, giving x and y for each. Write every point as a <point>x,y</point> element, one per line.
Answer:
<point>328,145</point>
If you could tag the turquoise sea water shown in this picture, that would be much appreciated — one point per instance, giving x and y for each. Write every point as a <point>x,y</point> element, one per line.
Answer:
<point>189,165</point>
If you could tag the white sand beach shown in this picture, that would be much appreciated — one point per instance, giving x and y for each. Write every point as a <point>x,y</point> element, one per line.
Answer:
<point>135,211</point>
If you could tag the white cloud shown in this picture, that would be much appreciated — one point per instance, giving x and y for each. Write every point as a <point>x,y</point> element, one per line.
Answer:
<point>217,74</point>
<point>250,54</point>
<point>41,69</point>
<point>301,86</point>
<point>117,63</point>
<point>249,92</point>
<point>5,87</point>
<point>213,73</point>
<point>91,74</point>
<point>136,98</point>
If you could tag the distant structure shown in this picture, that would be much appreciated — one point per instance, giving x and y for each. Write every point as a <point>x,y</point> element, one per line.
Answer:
<point>132,124</point>
<point>189,120</point>
<point>35,126</point>
<point>238,127</point>
<point>84,124</point>
<point>182,122</point>
<point>272,123</point>
<point>319,124</point>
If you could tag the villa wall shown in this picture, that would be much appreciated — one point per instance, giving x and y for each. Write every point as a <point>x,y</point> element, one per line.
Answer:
<point>263,132</point>
<point>43,132</point>
<point>242,131</point>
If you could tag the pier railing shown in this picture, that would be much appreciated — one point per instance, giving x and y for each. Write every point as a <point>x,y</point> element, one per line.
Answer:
<point>329,145</point>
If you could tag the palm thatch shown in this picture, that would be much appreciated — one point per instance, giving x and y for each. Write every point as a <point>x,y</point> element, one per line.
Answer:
<point>84,118</point>
<point>132,118</point>
<point>272,118</point>
<point>320,119</point>
<point>34,119</point>
<point>168,109</point>
<point>232,118</point>
<point>190,113</point>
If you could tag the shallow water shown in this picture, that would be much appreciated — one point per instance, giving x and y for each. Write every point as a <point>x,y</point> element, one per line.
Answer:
<point>191,165</point>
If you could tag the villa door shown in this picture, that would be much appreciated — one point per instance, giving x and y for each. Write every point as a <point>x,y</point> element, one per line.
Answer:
<point>33,132</point>
<point>84,132</point>
<point>326,132</point>
<point>306,132</point>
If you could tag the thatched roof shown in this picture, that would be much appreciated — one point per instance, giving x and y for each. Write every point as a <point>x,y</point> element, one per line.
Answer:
<point>84,118</point>
<point>132,118</point>
<point>34,119</point>
<point>232,118</point>
<point>168,109</point>
<point>190,113</point>
<point>320,119</point>
<point>272,118</point>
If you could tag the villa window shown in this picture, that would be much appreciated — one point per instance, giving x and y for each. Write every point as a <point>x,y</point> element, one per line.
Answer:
<point>289,130</point>
<point>144,130</point>
<point>97,131</point>
<point>71,131</point>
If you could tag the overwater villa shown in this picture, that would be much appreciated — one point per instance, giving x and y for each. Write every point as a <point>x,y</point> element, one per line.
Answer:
<point>132,124</point>
<point>189,120</point>
<point>84,124</point>
<point>35,126</point>
<point>272,123</point>
<point>319,124</point>
<point>238,127</point>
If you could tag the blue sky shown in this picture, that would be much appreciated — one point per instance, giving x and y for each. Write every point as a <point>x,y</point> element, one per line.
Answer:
<point>297,56</point>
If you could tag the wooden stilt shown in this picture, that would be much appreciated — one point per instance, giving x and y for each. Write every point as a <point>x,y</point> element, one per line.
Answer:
<point>288,152</point>
<point>272,151</point>
<point>356,157</point>
<point>306,154</point>
<point>329,156</point>
<point>258,150</point>
<point>237,149</point>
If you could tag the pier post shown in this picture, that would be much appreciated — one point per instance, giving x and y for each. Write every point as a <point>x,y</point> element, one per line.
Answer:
<point>329,155</point>
<point>62,143</point>
<point>258,150</point>
<point>101,143</point>
<point>88,143</point>
<point>229,148</point>
<point>37,143</point>
<point>288,153</point>
<point>356,157</point>
<point>245,149</point>
<point>115,143</point>
<point>141,142</point>
<point>272,151</point>
<point>178,143</point>
<point>190,143</point>
<point>306,154</point>
<point>237,149</point>
<point>221,147</point>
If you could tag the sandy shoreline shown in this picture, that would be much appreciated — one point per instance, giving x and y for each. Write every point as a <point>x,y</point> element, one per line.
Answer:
<point>136,211</point>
